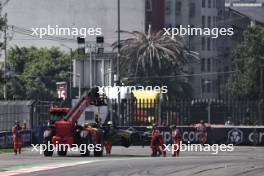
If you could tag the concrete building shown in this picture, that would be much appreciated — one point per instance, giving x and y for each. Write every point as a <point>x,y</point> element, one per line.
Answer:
<point>27,14</point>
<point>243,2</point>
<point>200,14</point>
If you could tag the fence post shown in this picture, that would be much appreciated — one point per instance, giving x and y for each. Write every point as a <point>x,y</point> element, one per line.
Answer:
<point>159,110</point>
<point>209,110</point>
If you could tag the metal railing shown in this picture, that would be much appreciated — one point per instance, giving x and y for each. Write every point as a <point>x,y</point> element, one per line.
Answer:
<point>186,112</point>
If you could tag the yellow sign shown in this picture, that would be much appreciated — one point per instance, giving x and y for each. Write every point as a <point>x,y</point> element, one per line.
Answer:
<point>146,98</point>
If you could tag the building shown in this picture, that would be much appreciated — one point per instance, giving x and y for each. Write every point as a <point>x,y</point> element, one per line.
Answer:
<point>155,10</point>
<point>243,2</point>
<point>27,14</point>
<point>200,14</point>
<point>86,13</point>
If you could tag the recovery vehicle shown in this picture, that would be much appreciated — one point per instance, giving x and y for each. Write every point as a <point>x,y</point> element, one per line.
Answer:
<point>64,127</point>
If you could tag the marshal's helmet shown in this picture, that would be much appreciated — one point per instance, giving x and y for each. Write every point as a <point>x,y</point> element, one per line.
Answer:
<point>16,122</point>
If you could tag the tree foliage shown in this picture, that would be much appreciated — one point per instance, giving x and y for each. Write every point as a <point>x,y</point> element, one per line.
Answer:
<point>248,57</point>
<point>149,56</point>
<point>34,72</point>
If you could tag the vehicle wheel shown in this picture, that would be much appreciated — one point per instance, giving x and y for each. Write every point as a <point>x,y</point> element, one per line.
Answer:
<point>100,152</point>
<point>85,152</point>
<point>134,139</point>
<point>125,142</point>
<point>47,152</point>
<point>62,152</point>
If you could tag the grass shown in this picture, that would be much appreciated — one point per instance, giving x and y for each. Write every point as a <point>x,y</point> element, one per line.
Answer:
<point>8,150</point>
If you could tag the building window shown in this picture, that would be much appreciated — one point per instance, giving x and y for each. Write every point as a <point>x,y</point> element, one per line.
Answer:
<point>215,3</point>
<point>168,26</point>
<point>206,86</point>
<point>89,115</point>
<point>178,8</point>
<point>203,21</point>
<point>209,3</point>
<point>208,43</point>
<point>168,7</point>
<point>192,9</point>
<point>149,5</point>
<point>226,69</point>
<point>203,65</point>
<point>209,22</point>
<point>214,21</point>
<point>203,43</point>
<point>192,39</point>
<point>209,85</point>
<point>208,65</point>
<point>203,3</point>
<point>214,44</point>
<point>203,85</point>
<point>214,86</point>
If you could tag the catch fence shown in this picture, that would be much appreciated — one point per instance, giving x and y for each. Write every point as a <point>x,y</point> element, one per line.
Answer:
<point>186,112</point>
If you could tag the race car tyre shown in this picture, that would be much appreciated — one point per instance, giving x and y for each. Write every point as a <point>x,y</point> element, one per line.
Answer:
<point>47,152</point>
<point>85,152</point>
<point>62,152</point>
<point>97,152</point>
<point>125,142</point>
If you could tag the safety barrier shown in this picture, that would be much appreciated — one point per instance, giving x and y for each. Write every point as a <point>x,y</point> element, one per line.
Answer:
<point>250,136</point>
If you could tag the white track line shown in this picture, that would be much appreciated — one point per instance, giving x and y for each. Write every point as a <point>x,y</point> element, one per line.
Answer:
<point>42,168</point>
<point>58,165</point>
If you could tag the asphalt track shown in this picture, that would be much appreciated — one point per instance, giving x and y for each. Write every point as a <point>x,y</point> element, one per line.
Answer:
<point>135,161</point>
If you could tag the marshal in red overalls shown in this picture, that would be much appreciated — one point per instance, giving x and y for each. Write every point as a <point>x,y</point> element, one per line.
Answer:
<point>108,138</point>
<point>201,129</point>
<point>157,141</point>
<point>176,139</point>
<point>17,139</point>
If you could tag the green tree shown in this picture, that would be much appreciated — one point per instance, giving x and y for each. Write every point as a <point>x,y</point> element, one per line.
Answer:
<point>248,57</point>
<point>34,72</point>
<point>153,55</point>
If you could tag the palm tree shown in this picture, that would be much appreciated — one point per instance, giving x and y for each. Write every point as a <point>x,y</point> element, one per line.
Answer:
<point>151,51</point>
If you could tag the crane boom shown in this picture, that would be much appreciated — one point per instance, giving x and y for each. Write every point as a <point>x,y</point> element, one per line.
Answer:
<point>76,112</point>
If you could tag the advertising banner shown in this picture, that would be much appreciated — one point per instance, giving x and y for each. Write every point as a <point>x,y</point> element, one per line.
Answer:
<point>223,135</point>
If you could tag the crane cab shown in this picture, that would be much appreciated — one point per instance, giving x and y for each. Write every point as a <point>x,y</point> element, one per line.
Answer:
<point>57,113</point>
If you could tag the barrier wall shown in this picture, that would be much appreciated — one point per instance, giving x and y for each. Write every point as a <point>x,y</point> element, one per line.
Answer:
<point>11,111</point>
<point>223,135</point>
